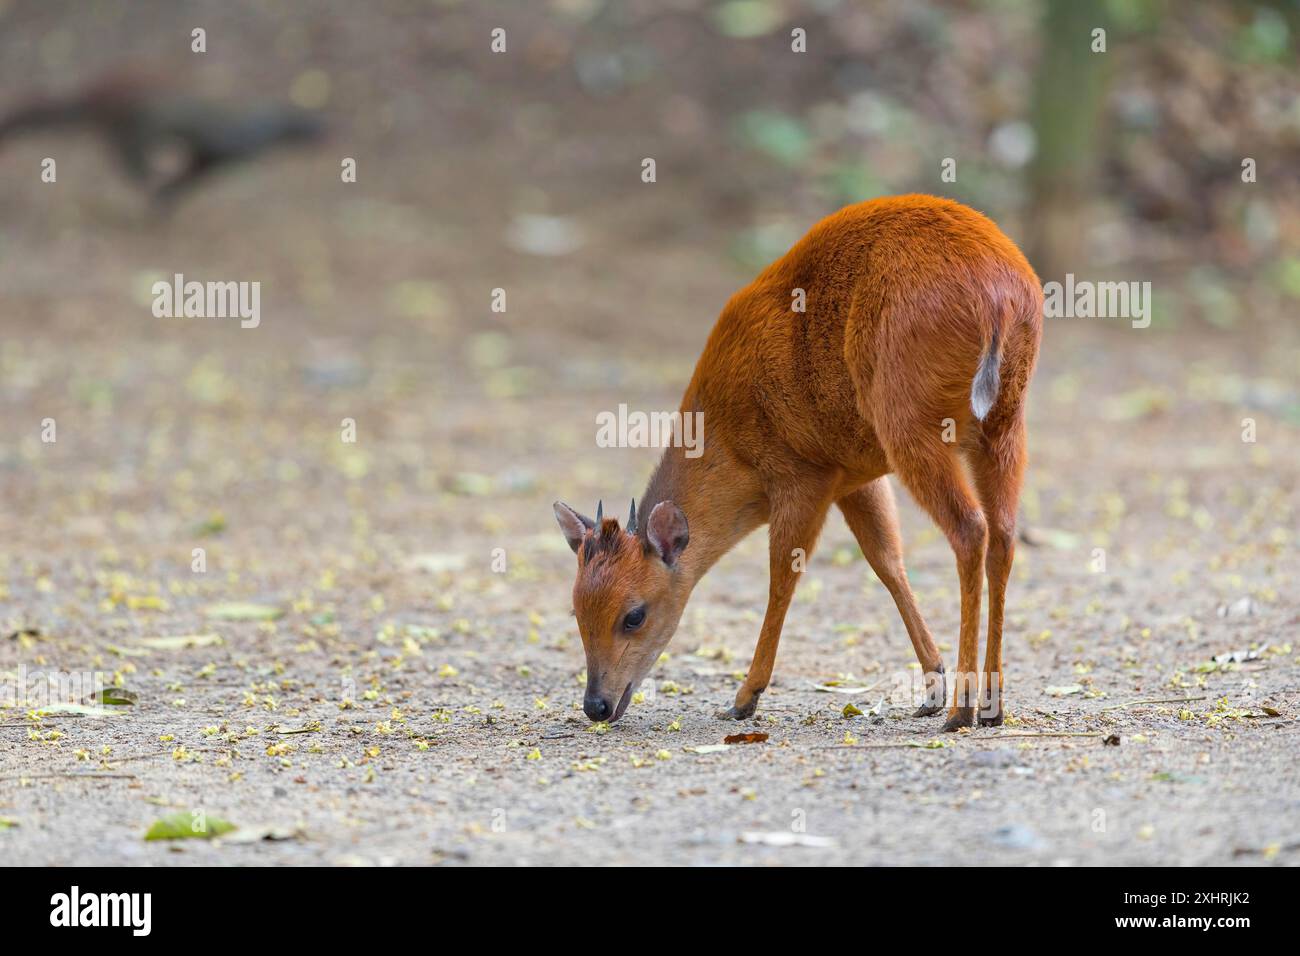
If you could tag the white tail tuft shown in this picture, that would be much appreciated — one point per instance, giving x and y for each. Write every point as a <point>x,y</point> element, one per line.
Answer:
<point>984,390</point>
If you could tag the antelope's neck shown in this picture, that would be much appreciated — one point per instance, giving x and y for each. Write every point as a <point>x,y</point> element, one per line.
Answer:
<point>699,486</point>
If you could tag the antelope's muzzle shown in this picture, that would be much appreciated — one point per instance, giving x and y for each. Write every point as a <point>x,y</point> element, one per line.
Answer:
<point>597,706</point>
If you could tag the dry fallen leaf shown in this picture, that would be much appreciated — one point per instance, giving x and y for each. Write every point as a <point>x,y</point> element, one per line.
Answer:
<point>83,710</point>
<point>437,562</point>
<point>755,738</point>
<point>179,643</point>
<point>785,838</point>
<point>831,688</point>
<point>181,826</point>
<point>243,611</point>
<point>1239,657</point>
<point>118,696</point>
<point>263,833</point>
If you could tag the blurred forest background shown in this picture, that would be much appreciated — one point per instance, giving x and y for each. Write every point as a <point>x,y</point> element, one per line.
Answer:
<point>521,171</point>
<point>1127,162</point>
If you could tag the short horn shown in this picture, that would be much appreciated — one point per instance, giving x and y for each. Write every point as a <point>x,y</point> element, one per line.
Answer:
<point>631,519</point>
<point>600,512</point>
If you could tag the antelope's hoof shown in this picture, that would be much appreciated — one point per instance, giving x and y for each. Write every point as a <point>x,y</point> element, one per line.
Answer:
<point>958,718</point>
<point>992,720</point>
<point>936,692</point>
<point>738,711</point>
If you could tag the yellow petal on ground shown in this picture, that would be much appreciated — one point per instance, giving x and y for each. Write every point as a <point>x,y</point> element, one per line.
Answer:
<point>243,611</point>
<point>179,643</point>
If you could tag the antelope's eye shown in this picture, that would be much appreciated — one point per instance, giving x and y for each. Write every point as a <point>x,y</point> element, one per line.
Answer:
<point>634,618</point>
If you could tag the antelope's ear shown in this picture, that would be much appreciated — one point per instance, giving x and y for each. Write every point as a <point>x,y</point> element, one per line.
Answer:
<point>574,525</point>
<point>667,532</point>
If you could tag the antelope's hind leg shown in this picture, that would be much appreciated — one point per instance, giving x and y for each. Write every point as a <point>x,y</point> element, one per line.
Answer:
<point>998,466</point>
<point>930,471</point>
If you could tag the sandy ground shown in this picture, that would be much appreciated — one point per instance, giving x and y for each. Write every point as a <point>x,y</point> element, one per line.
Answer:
<point>405,702</point>
<point>440,699</point>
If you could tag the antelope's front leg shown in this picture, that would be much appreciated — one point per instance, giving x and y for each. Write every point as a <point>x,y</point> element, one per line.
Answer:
<point>796,520</point>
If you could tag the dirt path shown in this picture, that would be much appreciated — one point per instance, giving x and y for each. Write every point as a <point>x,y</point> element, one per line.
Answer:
<point>441,699</point>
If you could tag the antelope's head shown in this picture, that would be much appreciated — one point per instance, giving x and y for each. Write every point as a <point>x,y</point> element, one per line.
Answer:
<point>628,598</point>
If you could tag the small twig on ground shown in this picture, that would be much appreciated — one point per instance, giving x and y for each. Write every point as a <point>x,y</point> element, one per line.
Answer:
<point>1045,733</point>
<point>166,753</point>
<point>70,776</point>
<point>1249,850</point>
<point>888,746</point>
<point>971,738</point>
<point>49,721</point>
<point>1154,700</point>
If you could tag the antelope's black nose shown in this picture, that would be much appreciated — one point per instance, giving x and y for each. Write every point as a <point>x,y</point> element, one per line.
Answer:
<point>597,708</point>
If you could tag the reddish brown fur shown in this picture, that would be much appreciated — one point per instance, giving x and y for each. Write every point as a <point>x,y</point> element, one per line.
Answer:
<point>905,296</point>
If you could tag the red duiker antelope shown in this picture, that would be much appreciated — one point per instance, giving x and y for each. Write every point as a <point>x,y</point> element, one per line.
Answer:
<point>915,348</point>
